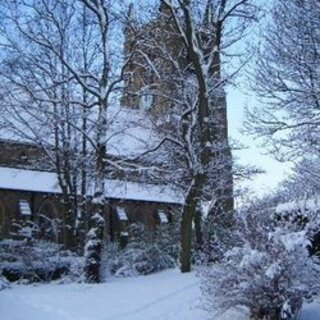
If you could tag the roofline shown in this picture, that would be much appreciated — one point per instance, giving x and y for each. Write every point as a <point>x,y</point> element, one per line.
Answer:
<point>110,198</point>
<point>124,183</point>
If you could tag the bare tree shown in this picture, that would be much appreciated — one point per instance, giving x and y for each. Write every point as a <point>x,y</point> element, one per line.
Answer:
<point>38,95</point>
<point>180,61</point>
<point>70,69</point>
<point>287,80</point>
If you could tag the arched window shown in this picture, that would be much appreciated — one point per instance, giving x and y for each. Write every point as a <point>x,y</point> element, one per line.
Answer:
<point>136,215</point>
<point>10,203</point>
<point>48,221</point>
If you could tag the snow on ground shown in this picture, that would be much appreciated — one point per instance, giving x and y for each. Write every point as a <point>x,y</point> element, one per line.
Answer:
<point>167,295</point>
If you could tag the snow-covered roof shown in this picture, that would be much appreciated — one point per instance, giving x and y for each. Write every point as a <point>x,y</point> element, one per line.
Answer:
<point>47,182</point>
<point>28,180</point>
<point>141,191</point>
<point>129,131</point>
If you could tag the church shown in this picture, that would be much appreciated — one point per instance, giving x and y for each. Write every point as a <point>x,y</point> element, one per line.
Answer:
<point>30,188</point>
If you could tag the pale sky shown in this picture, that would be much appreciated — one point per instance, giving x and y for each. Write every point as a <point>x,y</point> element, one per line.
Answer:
<point>275,170</point>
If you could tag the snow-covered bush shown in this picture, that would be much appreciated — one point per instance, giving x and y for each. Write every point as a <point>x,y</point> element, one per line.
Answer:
<point>301,215</point>
<point>36,260</point>
<point>216,238</point>
<point>138,261</point>
<point>26,258</point>
<point>75,272</point>
<point>147,251</point>
<point>268,270</point>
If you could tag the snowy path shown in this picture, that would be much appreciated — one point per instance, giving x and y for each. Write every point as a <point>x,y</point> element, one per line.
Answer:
<point>169,295</point>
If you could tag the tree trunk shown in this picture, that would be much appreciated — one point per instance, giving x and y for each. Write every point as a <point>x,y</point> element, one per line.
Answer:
<point>68,223</point>
<point>198,227</point>
<point>188,213</point>
<point>93,250</point>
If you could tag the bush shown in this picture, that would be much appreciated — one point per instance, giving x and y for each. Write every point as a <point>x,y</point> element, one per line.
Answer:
<point>148,251</point>
<point>36,261</point>
<point>268,270</point>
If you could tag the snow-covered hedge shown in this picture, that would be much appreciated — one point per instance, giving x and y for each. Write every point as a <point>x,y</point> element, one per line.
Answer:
<point>302,215</point>
<point>147,251</point>
<point>269,269</point>
<point>36,261</point>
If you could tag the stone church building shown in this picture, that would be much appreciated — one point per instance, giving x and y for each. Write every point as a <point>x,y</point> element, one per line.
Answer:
<point>31,194</point>
<point>29,191</point>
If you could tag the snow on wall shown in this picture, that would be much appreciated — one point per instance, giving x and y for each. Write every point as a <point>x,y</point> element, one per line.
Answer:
<point>47,182</point>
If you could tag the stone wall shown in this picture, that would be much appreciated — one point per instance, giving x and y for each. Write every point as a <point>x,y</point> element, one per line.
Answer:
<point>40,203</point>
<point>22,155</point>
<point>50,205</point>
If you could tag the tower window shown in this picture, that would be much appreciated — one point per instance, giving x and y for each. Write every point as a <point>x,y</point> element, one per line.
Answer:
<point>146,99</point>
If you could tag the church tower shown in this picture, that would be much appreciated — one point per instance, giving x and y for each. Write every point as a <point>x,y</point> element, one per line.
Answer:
<point>151,78</point>
<point>144,76</point>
